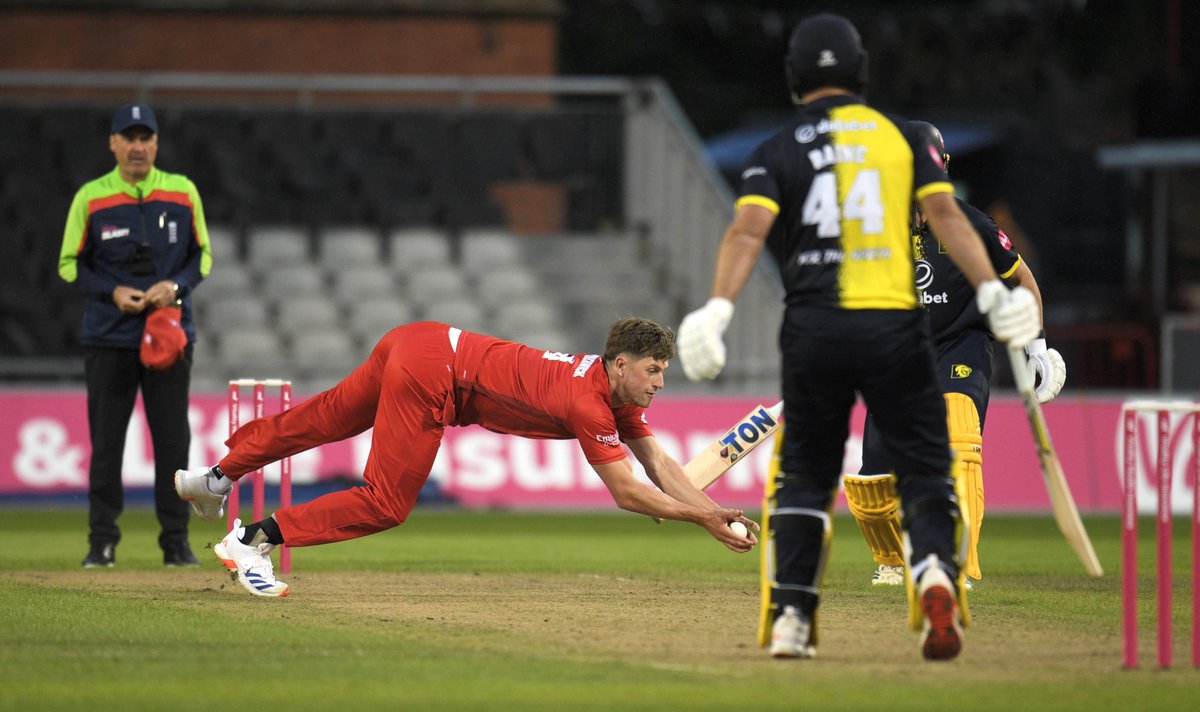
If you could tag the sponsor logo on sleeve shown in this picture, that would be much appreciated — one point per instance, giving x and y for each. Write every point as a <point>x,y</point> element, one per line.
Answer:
<point>960,370</point>
<point>1004,241</point>
<point>610,439</point>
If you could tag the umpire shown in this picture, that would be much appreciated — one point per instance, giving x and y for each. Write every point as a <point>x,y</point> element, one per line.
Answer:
<point>135,241</point>
<point>841,180</point>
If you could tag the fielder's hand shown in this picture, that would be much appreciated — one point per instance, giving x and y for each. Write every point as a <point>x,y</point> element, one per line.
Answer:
<point>1012,314</point>
<point>701,349</point>
<point>1047,369</point>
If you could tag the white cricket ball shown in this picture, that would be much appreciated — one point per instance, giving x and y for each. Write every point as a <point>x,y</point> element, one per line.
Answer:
<point>738,528</point>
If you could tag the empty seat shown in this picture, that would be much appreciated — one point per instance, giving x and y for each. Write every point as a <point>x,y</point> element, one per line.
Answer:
<point>296,316</point>
<point>484,249</point>
<point>226,244</point>
<point>269,247</point>
<point>234,312</point>
<point>227,279</point>
<point>433,284</point>
<point>547,338</point>
<point>506,283</point>
<point>413,249</point>
<point>252,353</point>
<point>297,280</point>
<point>364,282</point>
<point>324,354</point>
<point>348,246</point>
<point>368,320</point>
<point>515,317</point>
<point>464,313</point>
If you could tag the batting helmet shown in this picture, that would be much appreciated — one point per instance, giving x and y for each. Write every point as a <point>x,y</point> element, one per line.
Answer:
<point>825,51</point>
<point>928,130</point>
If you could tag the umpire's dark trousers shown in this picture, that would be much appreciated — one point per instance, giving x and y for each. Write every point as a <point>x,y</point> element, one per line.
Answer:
<point>114,377</point>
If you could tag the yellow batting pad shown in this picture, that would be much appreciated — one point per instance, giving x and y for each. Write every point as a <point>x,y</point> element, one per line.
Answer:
<point>962,420</point>
<point>876,507</point>
<point>766,546</point>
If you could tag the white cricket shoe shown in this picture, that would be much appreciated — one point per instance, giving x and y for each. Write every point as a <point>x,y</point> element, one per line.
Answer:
<point>193,486</point>
<point>250,565</point>
<point>942,637</point>
<point>887,575</point>
<point>790,635</point>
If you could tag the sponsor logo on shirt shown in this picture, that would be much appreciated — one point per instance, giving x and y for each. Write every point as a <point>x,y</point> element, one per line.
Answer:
<point>960,370</point>
<point>1004,241</point>
<point>611,439</point>
<point>807,132</point>
<point>584,365</point>
<point>924,275</point>
<point>110,232</point>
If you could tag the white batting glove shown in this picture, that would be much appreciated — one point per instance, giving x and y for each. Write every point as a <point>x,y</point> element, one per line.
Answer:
<point>1047,369</point>
<point>1012,314</point>
<point>701,349</point>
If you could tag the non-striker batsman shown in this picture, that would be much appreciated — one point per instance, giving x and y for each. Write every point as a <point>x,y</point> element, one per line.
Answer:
<point>841,179</point>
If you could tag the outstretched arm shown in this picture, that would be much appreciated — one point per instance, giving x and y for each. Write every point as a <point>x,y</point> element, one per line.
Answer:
<point>634,496</point>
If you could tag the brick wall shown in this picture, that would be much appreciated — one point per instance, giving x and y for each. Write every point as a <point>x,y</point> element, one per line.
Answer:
<point>261,42</point>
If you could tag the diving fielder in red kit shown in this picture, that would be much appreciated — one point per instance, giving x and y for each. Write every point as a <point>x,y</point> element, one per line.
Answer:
<point>423,377</point>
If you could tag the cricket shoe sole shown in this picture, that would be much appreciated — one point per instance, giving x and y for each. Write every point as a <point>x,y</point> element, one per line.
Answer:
<point>942,636</point>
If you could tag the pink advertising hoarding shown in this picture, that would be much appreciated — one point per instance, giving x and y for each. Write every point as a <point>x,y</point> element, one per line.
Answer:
<point>44,449</point>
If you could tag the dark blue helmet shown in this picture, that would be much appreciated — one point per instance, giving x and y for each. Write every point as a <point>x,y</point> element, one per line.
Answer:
<point>924,128</point>
<point>825,50</point>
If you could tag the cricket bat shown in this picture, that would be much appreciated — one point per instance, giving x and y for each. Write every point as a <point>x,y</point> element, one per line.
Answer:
<point>1063,504</point>
<point>748,433</point>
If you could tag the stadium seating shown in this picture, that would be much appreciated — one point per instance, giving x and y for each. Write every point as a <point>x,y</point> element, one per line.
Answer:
<point>348,246</point>
<point>331,220</point>
<point>434,284</point>
<point>413,249</point>
<point>354,284</point>
<point>323,356</point>
<point>274,246</point>
<point>297,316</point>
<point>369,319</point>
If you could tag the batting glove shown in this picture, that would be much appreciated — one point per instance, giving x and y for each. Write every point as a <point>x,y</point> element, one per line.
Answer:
<point>1012,314</point>
<point>701,349</point>
<point>1047,368</point>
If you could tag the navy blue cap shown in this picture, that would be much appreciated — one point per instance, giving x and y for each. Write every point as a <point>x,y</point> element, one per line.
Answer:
<point>134,115</point>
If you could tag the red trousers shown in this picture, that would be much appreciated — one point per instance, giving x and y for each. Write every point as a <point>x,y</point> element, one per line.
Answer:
<point>404,390</point>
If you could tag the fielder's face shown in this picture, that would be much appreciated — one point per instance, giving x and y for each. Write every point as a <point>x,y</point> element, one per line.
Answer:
<point>638,381</point>
<point>135,149</point>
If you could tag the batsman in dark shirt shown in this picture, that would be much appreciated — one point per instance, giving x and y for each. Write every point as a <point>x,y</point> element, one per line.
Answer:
<point>963,344</point>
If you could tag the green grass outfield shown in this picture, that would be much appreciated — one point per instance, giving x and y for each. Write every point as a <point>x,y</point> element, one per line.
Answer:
<point>555,611</point>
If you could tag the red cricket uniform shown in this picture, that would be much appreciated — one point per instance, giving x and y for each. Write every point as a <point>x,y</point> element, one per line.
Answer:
<point>419,379</point>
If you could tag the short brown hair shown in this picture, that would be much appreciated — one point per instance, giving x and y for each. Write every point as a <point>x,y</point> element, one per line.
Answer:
<point>639,338</point>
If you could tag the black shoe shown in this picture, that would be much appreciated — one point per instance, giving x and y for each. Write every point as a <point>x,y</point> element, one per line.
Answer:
<point>179,554</point>
<point>100,555</point>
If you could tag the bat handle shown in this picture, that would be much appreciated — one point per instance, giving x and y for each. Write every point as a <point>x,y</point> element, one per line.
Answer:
<point>1021,376</point>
